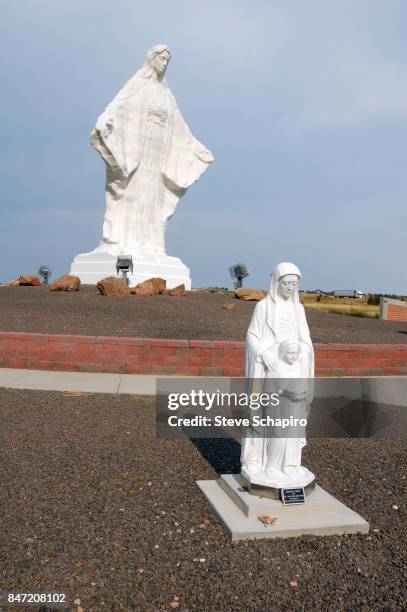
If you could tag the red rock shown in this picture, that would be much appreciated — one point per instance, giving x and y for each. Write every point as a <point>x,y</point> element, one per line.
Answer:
<point>113,286</point>
<point>178,291</point>
<point>158,283</point>
<point>28,280</point>
<point>239,293</point>
<point>152,286</point>
<point>67,282</point>
<point>247,294</point>
<point>255,296</point>
<point>145,288</point>
<point>229,306</point>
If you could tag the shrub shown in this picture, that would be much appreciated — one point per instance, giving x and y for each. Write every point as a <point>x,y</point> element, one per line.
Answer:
<point>373,299</point>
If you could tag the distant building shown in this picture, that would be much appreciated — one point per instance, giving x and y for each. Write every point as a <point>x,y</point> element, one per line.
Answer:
<point>352,293</point>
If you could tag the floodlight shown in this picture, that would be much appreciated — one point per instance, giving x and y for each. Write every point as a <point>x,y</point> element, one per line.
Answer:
<point>124,264</point>
<point>238,272</point>
<point>45,273</point>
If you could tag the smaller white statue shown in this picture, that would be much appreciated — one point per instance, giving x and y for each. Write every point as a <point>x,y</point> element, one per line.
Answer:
<point>279,358</point>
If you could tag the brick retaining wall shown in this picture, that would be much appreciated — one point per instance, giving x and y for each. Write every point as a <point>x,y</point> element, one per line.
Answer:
<point>393,310</point>
<point>183,357</point>
<point>396,313</point>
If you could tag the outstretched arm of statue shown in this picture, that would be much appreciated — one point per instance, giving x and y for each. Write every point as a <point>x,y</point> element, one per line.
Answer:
<point>99,139</point>
<point>111,138</point>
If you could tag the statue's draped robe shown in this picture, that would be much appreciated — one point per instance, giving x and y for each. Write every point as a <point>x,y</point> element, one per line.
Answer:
<point>269,326</point>
<point>292,383</point>
<point>151,158</point>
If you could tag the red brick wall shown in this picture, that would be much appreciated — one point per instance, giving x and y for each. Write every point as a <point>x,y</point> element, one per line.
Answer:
<point>396,313</point>
<point>183,357</point>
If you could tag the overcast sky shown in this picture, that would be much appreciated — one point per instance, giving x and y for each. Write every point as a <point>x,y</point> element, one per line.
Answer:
<point>303,104</point>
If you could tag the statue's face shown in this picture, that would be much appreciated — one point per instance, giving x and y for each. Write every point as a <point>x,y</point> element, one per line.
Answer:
<point>160,62</point>
<point>287,285</point>
<point>292,354</point>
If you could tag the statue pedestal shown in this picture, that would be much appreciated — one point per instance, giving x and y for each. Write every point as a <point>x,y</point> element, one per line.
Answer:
<point>321,514</point>
<point>92,267</point>
<point>266,486</point>
<point>260,489</point>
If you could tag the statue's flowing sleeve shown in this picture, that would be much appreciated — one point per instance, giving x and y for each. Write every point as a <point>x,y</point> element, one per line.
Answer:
<point>112,137</point>
<point>253,435</point>
<point>305,338</point>
<point>188,158</point>
<point>255,333</point>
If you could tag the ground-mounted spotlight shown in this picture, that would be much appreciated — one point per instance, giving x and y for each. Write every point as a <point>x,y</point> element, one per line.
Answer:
<point>45,273</point>
<point>238,272</point>
<point>124,264</point>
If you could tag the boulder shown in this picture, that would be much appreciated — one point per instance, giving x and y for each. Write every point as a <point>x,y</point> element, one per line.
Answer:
<point>239,293</point>
<point>144,288</point>
<point>67,282</point>
<point>229,306</point>
<point>28,280</point>
<point>178,291</point>
<point>112,285</point>
<point>151,286</point>
<point>248,295</point>
<point>158,283</point>
<point>255,296</point>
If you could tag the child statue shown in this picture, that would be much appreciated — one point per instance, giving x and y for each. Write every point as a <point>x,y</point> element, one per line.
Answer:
<point>284,446</point>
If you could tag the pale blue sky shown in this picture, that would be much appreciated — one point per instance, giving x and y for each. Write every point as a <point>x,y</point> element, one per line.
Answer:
<point>304,105</point>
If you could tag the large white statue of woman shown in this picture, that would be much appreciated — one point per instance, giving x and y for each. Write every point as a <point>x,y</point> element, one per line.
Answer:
<point>151,159</point>
<point>279,348</point>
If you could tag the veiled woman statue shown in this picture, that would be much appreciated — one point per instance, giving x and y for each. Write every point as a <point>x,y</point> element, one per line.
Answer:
<point>279,347</point>
<point>151,160</point>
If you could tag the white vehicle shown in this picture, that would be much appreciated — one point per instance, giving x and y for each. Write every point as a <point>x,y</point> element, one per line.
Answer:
<point>352,293</point>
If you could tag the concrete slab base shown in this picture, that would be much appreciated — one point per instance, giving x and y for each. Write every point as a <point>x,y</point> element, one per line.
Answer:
<point>322,514</point>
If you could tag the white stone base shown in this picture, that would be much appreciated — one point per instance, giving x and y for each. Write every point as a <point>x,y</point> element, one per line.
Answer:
<point>92,267</point>
<point>301,477</point>
<point>322,514</point>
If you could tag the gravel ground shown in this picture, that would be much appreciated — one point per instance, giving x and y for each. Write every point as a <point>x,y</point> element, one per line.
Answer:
<point>198,315</point>
<point>94,505</point>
